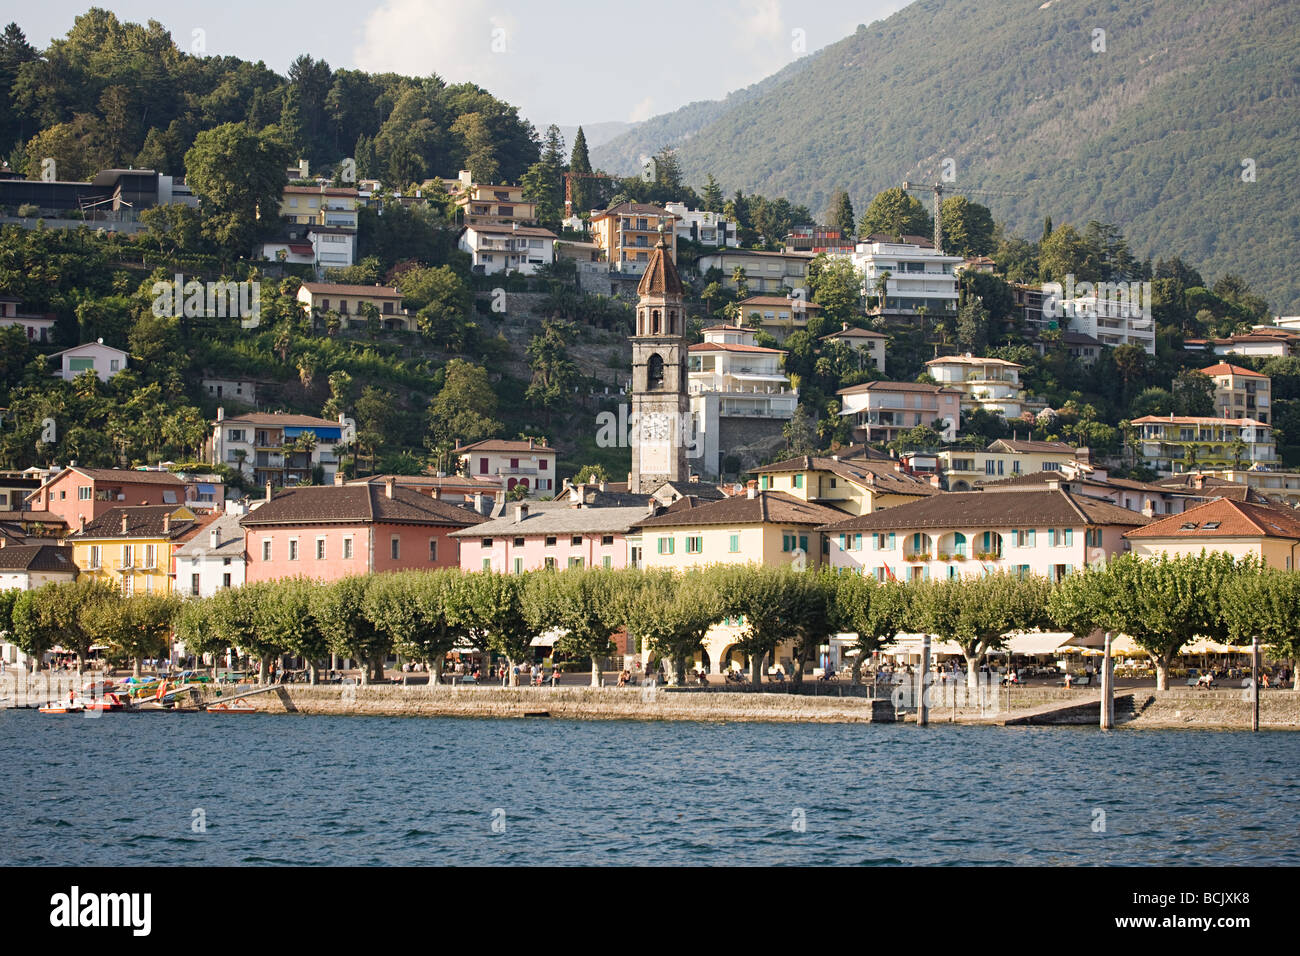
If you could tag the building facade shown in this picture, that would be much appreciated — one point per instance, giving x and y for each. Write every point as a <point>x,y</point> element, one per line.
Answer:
<point>660,409</point>
<point>881,411</point>
<point>549,536</point>
<point>509,463</point>
<point>213,559</point>
<point>988,383</point>
<point>132,548</point>
<point>104,360</point>
<point>738,394</point>
<point>507,248</point>
<point>354,302</point>
<point>1191,443</point>
<point>914,274</point>
<point>277,448</point>
<point>627,234</point>
<point>1240,392</point>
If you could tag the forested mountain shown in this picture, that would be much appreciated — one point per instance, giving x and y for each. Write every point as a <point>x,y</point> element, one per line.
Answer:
<point>113,94</point>
<point>1146,126</point>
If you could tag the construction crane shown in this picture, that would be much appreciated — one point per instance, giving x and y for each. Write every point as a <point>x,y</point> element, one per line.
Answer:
<point>568,188</point>
<point>938,190</point>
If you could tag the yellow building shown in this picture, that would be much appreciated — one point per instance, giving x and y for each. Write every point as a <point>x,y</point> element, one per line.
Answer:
<point>767,527</point>
<point>855,486</point>
<point>1237,527</point>
<point>1240,392</point>
<point>487,204</point>
<point>320,206</point>
<point>132,547</point>
<point>968,470</point>
<point>627,234</point>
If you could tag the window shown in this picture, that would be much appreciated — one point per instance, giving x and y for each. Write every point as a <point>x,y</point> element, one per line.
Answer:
<point>606,540</point>
<point>798,481</point>
<point>575,562</point>
<point>150,555</point>
<point>266,550</point>
<point>666,545</point>
<point>519,565</point>
<point>433,549</point>
<point>485,543</point>
<point>548,564</point>
<point>148,584</point>
<point>763,483</point>
<point>607,562</point>
<point>550,541</point>
<point>84,493</point>
<point>1068,534</point>
<point>320,549</point>
<point>734,543</point>
<point>487,564</point>
<point>694,544</point>
<point>395,548</point>
<point>94,557</point>
<point>857,542</point>
<point>127,554</point>
<point>347,549</point>
<point>128,585</point>
<point>225,580</point>
<point>541,464</point>
<point>293,549</point>
<point>576,540</point>
<point>1051,537</point>
<point>194,585</point>
<point>519,542</point>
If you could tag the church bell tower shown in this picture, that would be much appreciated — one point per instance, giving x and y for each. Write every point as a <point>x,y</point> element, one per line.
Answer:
<point>660,410</point>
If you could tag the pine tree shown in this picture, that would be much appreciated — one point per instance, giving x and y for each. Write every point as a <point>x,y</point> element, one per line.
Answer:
<point>839,214</point>
<point>580,162</point>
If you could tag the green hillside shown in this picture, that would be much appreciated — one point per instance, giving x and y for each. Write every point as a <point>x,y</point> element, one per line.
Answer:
<point>1149,134</point>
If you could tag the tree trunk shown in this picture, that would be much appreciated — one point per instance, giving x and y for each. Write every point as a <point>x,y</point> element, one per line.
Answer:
<point>595,670</point>
<point>972,671</point>
<point>313,673</point>
<point>857,669</point>
<point>364,670</point>
<point>1162,671</point>
<point>435,671</point>
<point>679,671</point>
<point>511,674</point>
<point>264,671</point>
<point>756,667</point>
<point>137,667</point>
<point>379,667</point>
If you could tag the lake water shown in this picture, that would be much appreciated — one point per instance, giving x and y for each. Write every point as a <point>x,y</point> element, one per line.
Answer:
<point>139,788</point>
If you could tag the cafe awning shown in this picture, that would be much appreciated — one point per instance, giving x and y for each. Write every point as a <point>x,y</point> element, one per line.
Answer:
<point>546,640</point>
<point>1035,643</point>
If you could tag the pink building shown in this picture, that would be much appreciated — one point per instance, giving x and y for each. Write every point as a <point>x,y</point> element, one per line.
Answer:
<point>881,411</point>
<point>964,533</point>
<point>77,492</point>
<point>532,536</point>
<point>326,533</point>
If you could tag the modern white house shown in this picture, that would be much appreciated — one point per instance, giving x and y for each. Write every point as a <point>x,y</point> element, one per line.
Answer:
<point>918,275</point>
<point>104,360</point>
<point>278,448</point>
<point>705,228</point>
<point>988,383</point>
<point>1111,321</point>
<point>738,393</point>
<point>508,247</point>
<point>213,559</point>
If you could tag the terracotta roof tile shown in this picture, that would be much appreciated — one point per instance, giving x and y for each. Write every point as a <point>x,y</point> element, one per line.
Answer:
<point>767,507</point>
<point>142,521</point>
<point>979,509</point>
<point>358,504</point>
<point>661,276</point>
<point>1224,518</point>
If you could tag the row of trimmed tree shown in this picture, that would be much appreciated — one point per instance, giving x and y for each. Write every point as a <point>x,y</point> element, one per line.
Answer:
<point>1162,604</point>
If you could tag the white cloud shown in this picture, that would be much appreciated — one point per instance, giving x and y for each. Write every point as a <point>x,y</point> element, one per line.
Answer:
<point>453,38</point>
<point>642,111</point>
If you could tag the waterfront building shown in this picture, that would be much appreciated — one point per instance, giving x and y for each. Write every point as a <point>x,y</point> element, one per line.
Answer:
<point>212,559</point>
<point>535,536</point>
<point>28,566</point>
<point>969,533</point>
<point>1240,528</point>
<point>132,547</point>
<point>326,533</point>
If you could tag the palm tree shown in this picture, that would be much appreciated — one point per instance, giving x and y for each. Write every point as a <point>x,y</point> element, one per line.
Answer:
<point>881,286</point>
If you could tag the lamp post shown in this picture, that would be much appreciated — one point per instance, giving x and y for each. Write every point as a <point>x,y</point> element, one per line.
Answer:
<point>1107,686</point>
<point>922,706</point>
<point>1254,682</point>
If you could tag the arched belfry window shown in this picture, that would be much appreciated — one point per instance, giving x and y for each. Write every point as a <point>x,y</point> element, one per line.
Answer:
<point>655,371</point>
<point>654,322</point>
<point>672,322</point>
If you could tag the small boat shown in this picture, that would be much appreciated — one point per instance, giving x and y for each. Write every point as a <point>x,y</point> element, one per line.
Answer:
<point>237,706</point>
<point>73,705</point>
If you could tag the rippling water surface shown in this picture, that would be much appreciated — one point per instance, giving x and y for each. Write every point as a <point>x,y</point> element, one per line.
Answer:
<point>125,788</point>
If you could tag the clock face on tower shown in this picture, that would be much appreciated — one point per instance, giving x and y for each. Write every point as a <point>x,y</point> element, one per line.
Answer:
<point>656,447</point>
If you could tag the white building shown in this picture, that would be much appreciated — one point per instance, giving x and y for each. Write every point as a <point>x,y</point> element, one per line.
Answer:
<point>705,228</point>
<point>104,360</point>
<point>238,390</point>
<point>28,566</point>
<point>213,559</point>
<point>38,328</point>
<point>988,383</point>
<point>918,275</point>
<point>1111,321</point>
<point>282,449</point>
<point>508,248</point>
<point>738,392</point>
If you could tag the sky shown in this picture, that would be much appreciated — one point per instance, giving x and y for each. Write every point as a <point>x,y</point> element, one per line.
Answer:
<point>565,62</point>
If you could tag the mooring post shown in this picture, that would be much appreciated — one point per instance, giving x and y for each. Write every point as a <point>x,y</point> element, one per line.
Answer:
<point>1108,686</point>
<point>1254,681</point>
<point>922,705</point>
